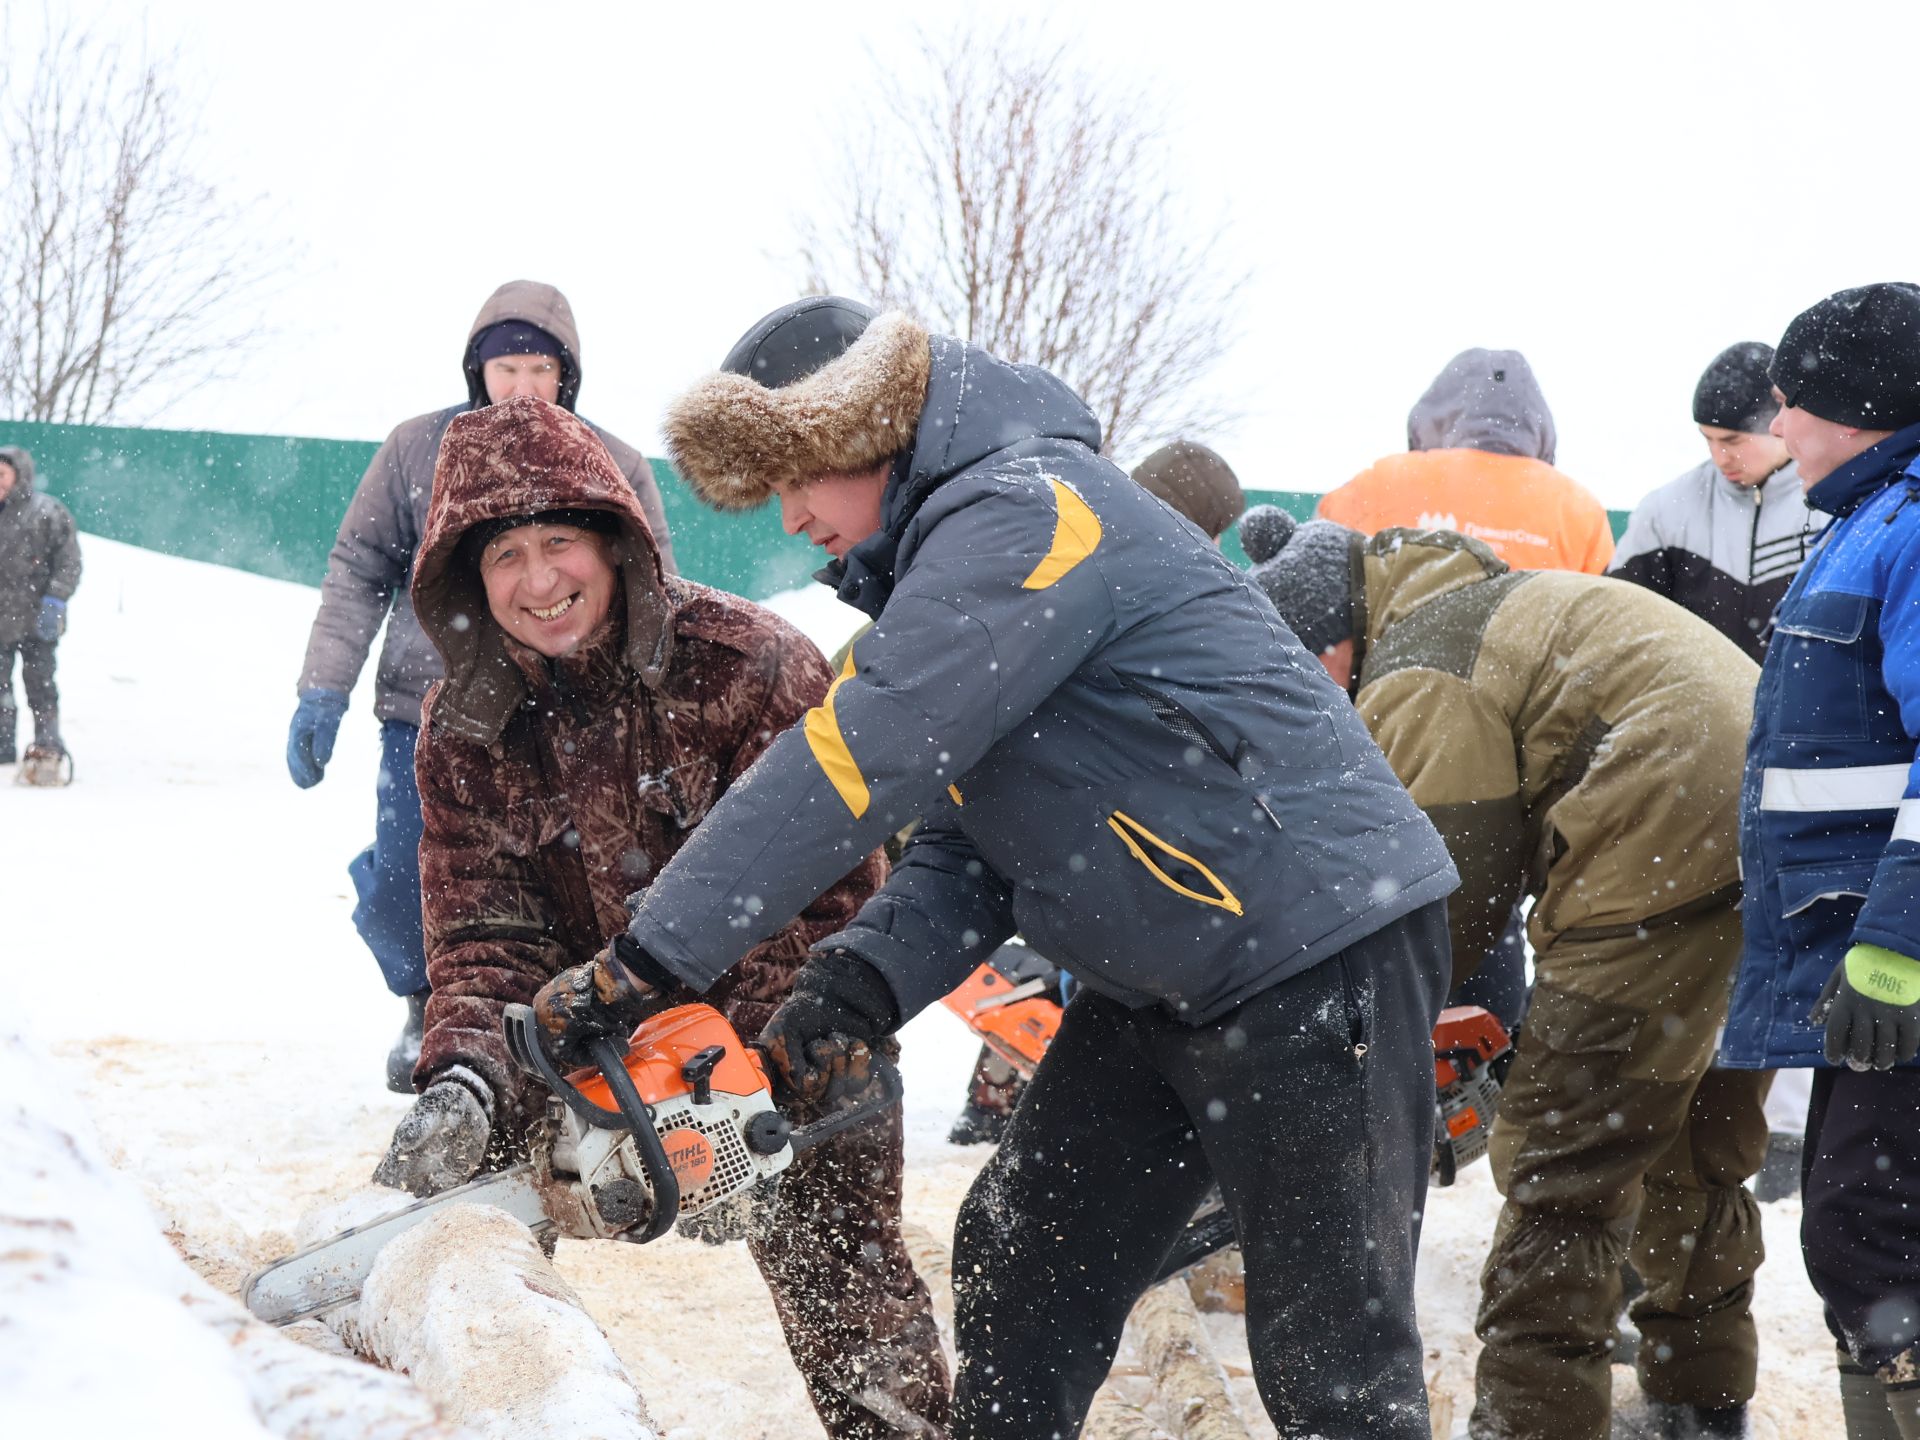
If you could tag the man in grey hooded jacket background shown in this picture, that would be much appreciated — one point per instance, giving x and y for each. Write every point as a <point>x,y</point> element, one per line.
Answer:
<point>523,342</point>
<point>1115,746</point>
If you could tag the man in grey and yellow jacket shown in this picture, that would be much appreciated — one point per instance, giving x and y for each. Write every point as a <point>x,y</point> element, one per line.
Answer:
<point>1116,748</point>
<point>1580,740</point>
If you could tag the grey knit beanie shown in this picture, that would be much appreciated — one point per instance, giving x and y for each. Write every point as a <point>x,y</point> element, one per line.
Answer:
<point>1306,570</point>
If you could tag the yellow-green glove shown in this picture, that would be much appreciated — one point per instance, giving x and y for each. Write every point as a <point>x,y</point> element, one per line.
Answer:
<point>1871,1008</point>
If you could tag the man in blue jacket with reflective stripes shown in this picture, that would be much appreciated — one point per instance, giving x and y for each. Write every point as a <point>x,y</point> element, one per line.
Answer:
<point>1830,838</point>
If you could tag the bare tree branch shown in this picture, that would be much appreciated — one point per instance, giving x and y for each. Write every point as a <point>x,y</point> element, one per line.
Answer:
<point>124,277</point>
<point>1006,197</point>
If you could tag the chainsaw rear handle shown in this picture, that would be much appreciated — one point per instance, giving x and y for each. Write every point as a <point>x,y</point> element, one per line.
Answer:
<point>885,1092</point>
<point>528,1048</point>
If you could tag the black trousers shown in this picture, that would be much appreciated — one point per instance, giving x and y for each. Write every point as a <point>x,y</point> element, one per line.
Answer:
<point>1861,1192</point>
<point>36,670</point>
<point>1312,1107</point>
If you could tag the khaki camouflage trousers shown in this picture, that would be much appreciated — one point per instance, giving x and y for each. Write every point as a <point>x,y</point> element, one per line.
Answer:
<point>1615,1137</point>
<point>858,1320</point>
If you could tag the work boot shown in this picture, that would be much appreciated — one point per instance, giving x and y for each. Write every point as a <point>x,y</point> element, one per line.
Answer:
<point>1901,1378</point>
<point>49,766</point>
<point>1864,1403</point>
<point>978,1125</point>
<point>406,1050</point>
<point>1779,1177</point>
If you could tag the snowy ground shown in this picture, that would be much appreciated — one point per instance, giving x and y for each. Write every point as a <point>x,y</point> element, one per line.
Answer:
<point>177,933</point>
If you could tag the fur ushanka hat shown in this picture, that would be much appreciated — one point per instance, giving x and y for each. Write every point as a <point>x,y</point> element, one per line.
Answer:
<point>819,387</point>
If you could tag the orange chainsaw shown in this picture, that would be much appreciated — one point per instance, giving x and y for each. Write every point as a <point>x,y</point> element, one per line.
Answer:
<point>674,1122</point>
<point>1016,1016</point>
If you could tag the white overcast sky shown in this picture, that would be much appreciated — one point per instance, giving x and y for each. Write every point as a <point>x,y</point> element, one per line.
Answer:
<point>1619,190</point>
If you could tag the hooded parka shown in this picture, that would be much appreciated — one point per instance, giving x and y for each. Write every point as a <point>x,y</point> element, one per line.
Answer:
<point>1831,819</point>
<point>1115,745</point>
<point>387,518</point>
<point>1579,738</point>
<point>552,788</point>
<point>39,551</point>
<point>1569,733</point>
<point>1480,451</point>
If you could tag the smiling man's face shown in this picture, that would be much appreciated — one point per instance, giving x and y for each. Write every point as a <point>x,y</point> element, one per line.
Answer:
<point>835,512</point>
<point>549,586</point>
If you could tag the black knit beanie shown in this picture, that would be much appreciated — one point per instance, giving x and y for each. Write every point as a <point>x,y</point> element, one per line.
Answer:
<point>1736,393</point>
<point>514,337</point>
<point>1306,570</point>
<point>1854,358</point>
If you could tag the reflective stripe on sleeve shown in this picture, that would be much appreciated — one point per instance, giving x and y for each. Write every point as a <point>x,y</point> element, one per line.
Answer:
<point>829,747</point>
<point>1851,787</point>
<point>1906,825</point>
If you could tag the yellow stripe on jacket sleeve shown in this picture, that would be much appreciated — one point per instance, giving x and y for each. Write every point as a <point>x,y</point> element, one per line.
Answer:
<point>1076,531</point>
<point>829,747</point>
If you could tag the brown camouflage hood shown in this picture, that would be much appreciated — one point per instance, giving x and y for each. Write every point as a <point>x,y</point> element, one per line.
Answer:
<point>521,457</point>
<point>536,304</point>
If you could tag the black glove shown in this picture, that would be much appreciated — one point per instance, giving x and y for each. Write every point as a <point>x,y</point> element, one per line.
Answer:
<point>1871,1008</point>
<point>440,1142</point>
<point>820,1038</point>
<point>607,996</point>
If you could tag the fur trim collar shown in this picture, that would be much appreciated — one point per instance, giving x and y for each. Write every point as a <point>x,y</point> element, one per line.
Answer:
<point>732,439</point>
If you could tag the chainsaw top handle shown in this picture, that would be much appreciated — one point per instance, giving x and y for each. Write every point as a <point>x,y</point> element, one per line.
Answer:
<point>528,1047</point>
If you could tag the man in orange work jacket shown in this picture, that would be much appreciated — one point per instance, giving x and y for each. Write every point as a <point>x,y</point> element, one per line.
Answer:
<point>1479,461</point>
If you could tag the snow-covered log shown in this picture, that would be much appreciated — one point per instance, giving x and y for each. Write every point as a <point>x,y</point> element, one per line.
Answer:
<point>1218,1283</point>
<point>103,1327</point>
<point>1111,1418</point>
<point>467,1305</point>
<point>934,1264</point>
<point>1192,1388</point>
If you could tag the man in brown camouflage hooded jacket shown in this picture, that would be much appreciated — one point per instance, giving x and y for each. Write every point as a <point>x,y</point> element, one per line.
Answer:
<point>560,765</point>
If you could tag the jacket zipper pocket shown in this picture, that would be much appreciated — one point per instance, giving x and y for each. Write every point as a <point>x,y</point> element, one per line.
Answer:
<point>1177,718</point>
<point>1359,1028</point>
<point>1182,722</point>
<point>1132,833</point>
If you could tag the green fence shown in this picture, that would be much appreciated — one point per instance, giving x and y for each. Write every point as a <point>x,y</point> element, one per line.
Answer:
<point>272,503</point>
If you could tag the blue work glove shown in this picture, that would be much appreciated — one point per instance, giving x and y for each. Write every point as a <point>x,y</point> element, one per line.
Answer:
<point>51,623</point>
<point>1871,1008</point>
<point>310,738</point>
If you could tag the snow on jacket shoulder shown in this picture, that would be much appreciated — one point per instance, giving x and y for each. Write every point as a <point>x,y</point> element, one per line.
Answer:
<point>1723,551</point>
<point>1566,727</point>
<point>373,553</point>
<point>39,551</point>
<point>1113,742</point>
<point>1830,806</point>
